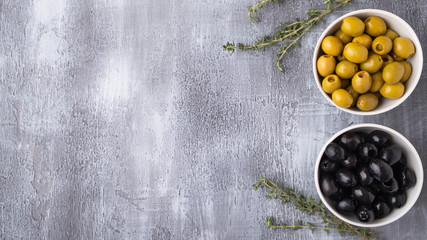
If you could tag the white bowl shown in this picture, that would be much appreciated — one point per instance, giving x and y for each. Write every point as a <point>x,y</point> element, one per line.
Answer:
<point>396,24</point>
<point>414,162</point>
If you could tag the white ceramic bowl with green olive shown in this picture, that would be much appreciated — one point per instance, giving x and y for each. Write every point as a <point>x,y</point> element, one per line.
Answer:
<point>367,62</point>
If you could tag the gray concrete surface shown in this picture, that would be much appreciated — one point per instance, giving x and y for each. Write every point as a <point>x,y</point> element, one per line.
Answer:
<point>126,120</point>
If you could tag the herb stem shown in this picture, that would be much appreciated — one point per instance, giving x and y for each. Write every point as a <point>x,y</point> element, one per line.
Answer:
<point>293,43</point>
<point>310,206</point>
<point>309,23</point>
<point>312,227</point>
<point>290,33</point>
<point>302,226</point>
<point>254,9</point>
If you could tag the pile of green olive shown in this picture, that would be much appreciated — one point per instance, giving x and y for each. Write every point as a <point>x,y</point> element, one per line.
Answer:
<point>363,61</point>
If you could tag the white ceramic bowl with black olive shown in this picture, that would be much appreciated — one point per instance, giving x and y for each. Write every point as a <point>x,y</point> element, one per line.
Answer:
<point>398,25</point>
<point>409,182</point>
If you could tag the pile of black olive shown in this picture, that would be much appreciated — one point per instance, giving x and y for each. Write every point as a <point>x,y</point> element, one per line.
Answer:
<point>365,174</point>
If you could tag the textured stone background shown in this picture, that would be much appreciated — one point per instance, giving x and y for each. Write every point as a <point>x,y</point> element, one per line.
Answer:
<point>126,120</point>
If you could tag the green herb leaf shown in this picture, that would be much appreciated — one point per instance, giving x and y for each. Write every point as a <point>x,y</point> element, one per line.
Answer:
<point>310,206</point>
<point>288,34</point>
<point>254,9</point>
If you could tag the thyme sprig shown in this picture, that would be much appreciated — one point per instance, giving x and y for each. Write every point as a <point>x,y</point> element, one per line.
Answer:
<point>309,206</point>
<point>289,33</point>
<point>255,8</point>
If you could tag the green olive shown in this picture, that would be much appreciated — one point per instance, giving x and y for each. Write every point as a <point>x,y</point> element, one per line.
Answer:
<point>345,83</point>
<point>326,65</point>
<point>355,52</point>
<point>367,102</point>
<point>361,82</point>
<point>408,71</point>
<point>395,57</point>
<point>375,26</point>
<point>331,83</point>
<point>342,98</point>
<point>346,69</point>
<point>386,60</point>
<point>378,94</point>
<point>364,40</point>
<point>377,82</point>
<point>392,91</point>
<point>332,45</point>
<point>343,37</point>
<point>373,64</point>
<point>393,72</point>
<point>382,45</point>
<point>403,47</point>
<point>352,26</point>
<point>391,34</point>
<point>354,94</point>
<point>341,58</point>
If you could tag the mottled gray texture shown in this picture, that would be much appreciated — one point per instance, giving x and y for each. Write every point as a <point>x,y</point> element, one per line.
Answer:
<point>126,120</point>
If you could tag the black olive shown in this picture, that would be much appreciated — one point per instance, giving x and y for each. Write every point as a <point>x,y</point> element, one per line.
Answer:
<point>381,209</point>
<point>345,206</point>
<point>379,138</point>
<point>328,166</point>
<point>350,162</point>
<point>367,151</point>
<point>341,194</point>
<point>355,202</point>
<point>364,176</point>
<point>400,165</point>
<point>335,152</point>
<point>397,168</point>
<point>365,214</point>
<point>381,197</point>
<point>380,170</point>
<point>345,178</point>
<point>397,199</point>
<point>390,154</point>
<point>350,141</point>
<point>364,195</point>
<point>362,136</point>
<point>376,186</point>
<point>328,185</point>
<point>403,160</point>
<point>390,186</point>
<point>406,178</point>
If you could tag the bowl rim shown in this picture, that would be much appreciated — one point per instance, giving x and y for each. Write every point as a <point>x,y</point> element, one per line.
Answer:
<point>414,77</point>
<point>410,202</point>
